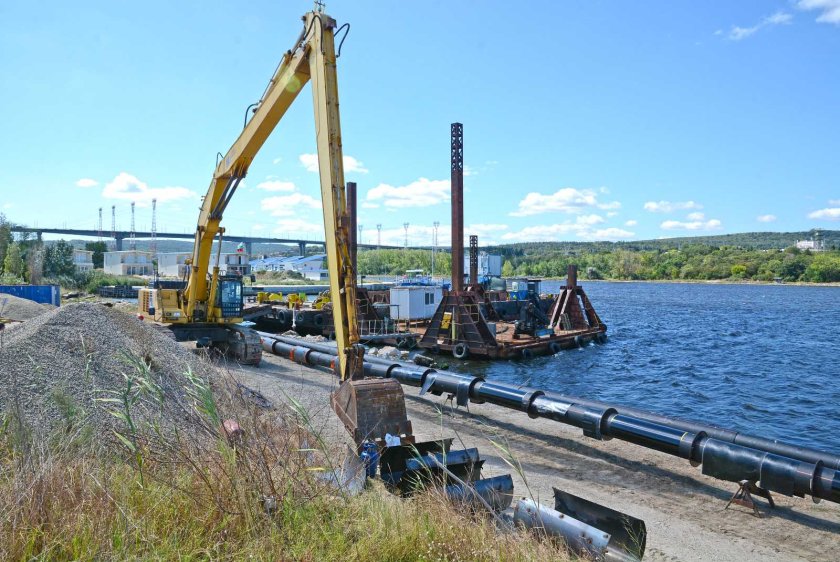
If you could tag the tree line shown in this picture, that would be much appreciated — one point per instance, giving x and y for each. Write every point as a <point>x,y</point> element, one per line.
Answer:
<point>687,262</point>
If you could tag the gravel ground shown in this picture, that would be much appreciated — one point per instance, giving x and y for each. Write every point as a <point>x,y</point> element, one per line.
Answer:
<point>53,367</point>
<point>16,308</point>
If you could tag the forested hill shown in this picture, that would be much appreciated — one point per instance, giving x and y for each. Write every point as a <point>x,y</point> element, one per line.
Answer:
<point>745,240</point>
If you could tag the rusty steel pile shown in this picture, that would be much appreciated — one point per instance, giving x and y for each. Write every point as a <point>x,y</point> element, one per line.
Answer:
<point>723,454</point>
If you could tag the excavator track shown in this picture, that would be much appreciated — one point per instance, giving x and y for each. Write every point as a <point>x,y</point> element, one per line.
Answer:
<point>244,345</point>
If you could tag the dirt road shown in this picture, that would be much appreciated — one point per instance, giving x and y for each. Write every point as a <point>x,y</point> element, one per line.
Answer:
<point>683,510</point>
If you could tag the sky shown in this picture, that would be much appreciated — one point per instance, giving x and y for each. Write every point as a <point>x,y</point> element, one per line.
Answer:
<point>582,120</point>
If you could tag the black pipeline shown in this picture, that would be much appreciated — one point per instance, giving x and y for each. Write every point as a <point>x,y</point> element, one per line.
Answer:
<point>788,474</point>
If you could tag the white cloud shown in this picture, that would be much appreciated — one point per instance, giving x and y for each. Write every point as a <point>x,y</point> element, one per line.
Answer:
<point>257,227</point>
<point>487,233</point>
<point>611,233</point>
<point>565,200</point>
<point>8,205</point>
<point>418,235</point>
<point>288,205</point>
<point>277,160</point>
<point>277,185</point>
<point>669,207</point>
<point>126,186</point>
<point>834,202</point>
<point>295,227</point>
<point>829,9</point>
<point>695,216</point>
<point>87,182</point>
<point>766,218</point>
<point>420,193</point>
<point>779,18</point>
<point>366,205</point>
<point>831,214</point>
<point>631,222</point>
<point>470,171</point>
<point>581,228</point>
<point>710,224</point>
<point>310,162</point>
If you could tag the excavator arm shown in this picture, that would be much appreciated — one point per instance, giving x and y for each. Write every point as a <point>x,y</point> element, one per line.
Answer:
<point>312,58</point>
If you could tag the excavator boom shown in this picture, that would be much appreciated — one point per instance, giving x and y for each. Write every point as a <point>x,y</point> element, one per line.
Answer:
<point>209,307</point>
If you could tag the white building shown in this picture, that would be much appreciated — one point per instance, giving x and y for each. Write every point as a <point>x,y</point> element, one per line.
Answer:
<point>128,262</point>
<point>415,302</point>
<point>234,264</point>
<point>83,260</point>
<point>311,267</point>
<point>173,264</point>
<point>488,266</point>
<point>815,245</point>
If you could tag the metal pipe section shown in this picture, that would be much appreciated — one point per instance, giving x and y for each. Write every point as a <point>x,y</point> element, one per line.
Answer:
<point>581,537</point>
<point>720,458</point>
<point>457,187</point>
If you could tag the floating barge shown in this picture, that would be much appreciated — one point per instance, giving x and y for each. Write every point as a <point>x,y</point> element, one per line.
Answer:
<point>473,323</point>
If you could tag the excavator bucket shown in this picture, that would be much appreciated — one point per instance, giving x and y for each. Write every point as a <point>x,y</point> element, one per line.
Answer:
<point>372,408</point>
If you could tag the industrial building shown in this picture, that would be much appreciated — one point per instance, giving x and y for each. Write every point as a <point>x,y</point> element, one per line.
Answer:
<point>234,264</point>
<point>83,260</point>
<point>311,267</point>
<point>488,265</point>
<point>173,264</point>
<point>129,262</point>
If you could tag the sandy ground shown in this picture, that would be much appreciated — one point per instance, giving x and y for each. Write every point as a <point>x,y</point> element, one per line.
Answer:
<point>683,510</point>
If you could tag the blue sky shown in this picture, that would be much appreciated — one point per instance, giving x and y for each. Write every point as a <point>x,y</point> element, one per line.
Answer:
<point>582,120</point>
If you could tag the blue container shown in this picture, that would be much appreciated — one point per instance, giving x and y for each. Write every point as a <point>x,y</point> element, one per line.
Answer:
<point>370,457</point>
<point>44,294</point>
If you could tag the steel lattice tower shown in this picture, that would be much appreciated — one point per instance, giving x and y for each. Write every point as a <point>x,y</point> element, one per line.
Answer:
<point>154,226</point>
<point>99,230</point>
<point>132,238</point>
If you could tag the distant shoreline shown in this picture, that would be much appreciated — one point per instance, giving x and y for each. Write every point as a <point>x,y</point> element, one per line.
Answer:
<point>701,282</point>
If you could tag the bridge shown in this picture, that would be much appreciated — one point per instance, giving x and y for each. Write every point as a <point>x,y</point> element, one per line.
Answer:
<point>247,241</point>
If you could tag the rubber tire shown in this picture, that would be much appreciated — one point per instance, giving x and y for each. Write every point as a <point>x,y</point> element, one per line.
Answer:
<point>400,343</point>
<point>460,351</point>
<point>527,354</point>
<point>281,316</point>
<point>554,348</point>
<point>318,320</point>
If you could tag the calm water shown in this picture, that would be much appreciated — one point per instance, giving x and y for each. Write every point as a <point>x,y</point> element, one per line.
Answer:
<point>763,359</point>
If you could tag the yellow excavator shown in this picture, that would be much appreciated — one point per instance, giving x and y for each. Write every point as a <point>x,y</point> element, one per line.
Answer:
<point>208,309</point>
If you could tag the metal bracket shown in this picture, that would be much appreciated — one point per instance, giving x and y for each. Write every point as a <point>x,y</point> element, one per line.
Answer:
<point>743,496</point>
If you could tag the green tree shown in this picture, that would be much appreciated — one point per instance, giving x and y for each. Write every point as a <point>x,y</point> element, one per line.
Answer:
<point>5,238</point>
<point>98,249</point>
<point>507,269</point>
<point>739,271</point>
<point>13,264</point>
<point>58,259</point>
<point>824,268</point>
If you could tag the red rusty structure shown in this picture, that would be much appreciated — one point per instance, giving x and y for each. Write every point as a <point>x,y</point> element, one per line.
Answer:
<point>466,323</point>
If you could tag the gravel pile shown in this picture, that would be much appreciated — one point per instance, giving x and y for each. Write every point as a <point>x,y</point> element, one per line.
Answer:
<point>53,367</point>
<point>16,308</point>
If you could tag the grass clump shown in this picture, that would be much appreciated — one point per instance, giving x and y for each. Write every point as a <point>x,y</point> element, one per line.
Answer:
<point>208,494</point>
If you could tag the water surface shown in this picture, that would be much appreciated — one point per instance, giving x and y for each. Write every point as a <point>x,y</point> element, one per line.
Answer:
<point>762,359</point>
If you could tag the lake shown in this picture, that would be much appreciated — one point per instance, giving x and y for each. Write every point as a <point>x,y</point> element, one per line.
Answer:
<point>762,359</point>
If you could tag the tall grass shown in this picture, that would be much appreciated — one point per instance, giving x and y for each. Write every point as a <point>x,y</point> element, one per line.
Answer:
<point>204,495</point>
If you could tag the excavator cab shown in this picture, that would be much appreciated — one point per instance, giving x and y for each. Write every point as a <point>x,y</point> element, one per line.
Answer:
<point>229,296</point>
